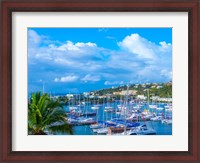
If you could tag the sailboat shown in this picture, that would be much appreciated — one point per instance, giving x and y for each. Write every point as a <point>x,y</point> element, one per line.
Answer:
<point>95,126</point>
<point>104,128</point>
<point>142,130</point>
<point>168,118</point>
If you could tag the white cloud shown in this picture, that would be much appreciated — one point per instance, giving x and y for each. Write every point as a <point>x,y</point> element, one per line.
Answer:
<point>165,47</point>
<point>144,48</point>
<point>89,44</point>
<point>138,45</point>
<point>148,72</point>
<point>56,80</point>
<point>70,46</point>
<point>113,83</point>
<point>137,59</point>
<point>69,78</point>
<point>67,53</point>
<point>92,78</point>
<point>166,73</point>
<point>63,61</point>
<point>33,37</point>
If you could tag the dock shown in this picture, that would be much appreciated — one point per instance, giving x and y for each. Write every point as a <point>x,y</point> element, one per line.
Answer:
<point>82,123</point>
<point>81,115</point>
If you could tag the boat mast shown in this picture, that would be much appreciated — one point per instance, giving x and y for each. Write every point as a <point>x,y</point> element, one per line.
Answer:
<point>87,105</point>
<point>120,106</point>
<point>84,103</point>
<point>103,112</point>
<point>125,108</point>
<point>148,97</point>
<point>79,101</point>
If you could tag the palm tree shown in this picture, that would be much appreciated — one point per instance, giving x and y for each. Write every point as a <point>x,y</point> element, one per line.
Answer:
<point>45,114</point>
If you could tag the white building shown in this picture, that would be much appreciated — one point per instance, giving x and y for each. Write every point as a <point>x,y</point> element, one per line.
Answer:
<point>69,95</point>
<point>141,97</point>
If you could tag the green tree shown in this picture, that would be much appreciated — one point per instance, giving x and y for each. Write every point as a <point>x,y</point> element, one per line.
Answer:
<point>45,114</point>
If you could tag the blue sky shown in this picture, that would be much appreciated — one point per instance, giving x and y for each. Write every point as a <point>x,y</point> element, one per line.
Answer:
<point>75,60</point>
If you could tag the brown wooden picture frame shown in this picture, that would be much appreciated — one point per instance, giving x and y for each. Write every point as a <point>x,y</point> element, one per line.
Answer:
<point>10,6</point>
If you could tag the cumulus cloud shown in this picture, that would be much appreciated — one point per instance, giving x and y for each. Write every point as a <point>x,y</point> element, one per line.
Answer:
<point>74,47</point>
<point>113,83</point>
<point>138,45</point>
<point>142,47</point>
<point>70,78</point>
<point>165,47</point>
<point>92,78</point>
<point>33,37</point>
<point>73,55</point>
<point>136,59</point>
<point>166,73</point>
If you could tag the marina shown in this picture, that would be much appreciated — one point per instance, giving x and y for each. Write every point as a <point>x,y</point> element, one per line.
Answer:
<point>101,81</point>
<point>120,117</point>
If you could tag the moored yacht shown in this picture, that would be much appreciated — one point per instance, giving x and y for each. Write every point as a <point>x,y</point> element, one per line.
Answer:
<point>141,130</point>
<point>167,121</point>
<point>156,118</point>
<point>102,130</point>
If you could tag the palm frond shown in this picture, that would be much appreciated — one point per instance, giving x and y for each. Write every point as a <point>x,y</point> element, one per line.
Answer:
<point>44,112</point>
<point>62,128</point>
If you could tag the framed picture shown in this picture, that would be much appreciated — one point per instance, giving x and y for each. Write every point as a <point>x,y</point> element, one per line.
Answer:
<point>100,80</point>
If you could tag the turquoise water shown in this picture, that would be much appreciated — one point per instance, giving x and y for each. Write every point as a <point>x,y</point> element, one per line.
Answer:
<point>161,129</point>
